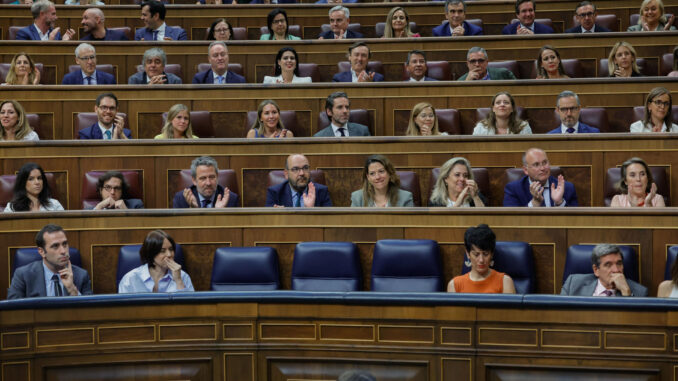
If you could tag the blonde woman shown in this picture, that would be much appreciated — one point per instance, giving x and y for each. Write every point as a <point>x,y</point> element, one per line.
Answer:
<point>423,121</point>
<point>622,61</point>
<point>268,123</point>
<point>652,18</point>
<point>22,71</point>
<point>14,122</point>
<point>178,124</point>
<point>456,187</point>
<point>398,24</point>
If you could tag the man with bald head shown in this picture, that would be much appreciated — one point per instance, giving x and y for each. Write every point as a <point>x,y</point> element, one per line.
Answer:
<point>538,188</point>
<point>298,191</point>
<point>95,30</point>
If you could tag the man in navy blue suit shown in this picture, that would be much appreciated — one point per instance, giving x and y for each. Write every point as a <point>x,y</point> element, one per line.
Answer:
<point>95,30</point>
<point>456,25</point>
<point>538,188</point>
<point>110,125</point>
<point>526,24</point>
<point>153,15</point>
<point>358,55</point>
<point>217,54</point>
<point>416,66</point>
<point>298,191</point>
<point>43,28</point>
<point>568,108</point>
<point>205,191</point>
<point>86,57</point>
<point>339,20</point>
<point>586,17</point>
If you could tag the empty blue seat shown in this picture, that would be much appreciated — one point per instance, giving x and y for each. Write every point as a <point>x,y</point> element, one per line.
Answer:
<point>671,254</point>
<point>515,259</point>
<point>403,265</point>
<point>245,269</point>
<point>578,261</point>
<point>129,259</point>
<point>26,255</point>
<point>326,266</point>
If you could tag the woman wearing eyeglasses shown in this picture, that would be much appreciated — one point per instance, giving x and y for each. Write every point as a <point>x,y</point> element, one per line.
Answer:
<point>114,192</point>
<point>278,27</point>
<point>657,113</point>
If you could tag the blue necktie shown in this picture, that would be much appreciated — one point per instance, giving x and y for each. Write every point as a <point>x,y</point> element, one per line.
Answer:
<point>205,202</point>
<point>220,79</point>
<point>297,201</point>
<point>108,134</point>
<point>155,35</point>
<point>570,130</point>
<point>89,80</point>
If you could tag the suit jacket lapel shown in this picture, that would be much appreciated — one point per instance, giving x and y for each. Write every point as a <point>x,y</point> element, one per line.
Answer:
<point>286,194</point>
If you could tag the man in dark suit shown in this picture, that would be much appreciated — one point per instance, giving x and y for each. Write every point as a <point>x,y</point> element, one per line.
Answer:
<point>416,66</point>
<point>538,188</point>
<point>54,275</point>
<point>359,56</point>
<point>44,21</point>
<point>339,20</point>
<point>607,279</point>
<point>114,191</point>
<point>218,73</point>
<point>109,125</point>
<point>205,191</point>
<point>94,29</point>
<point>86,57</point>
<point>478,70</point>
<point>338,109</point>
<point>526,24</point>
<point>586,17</point>
<point>298,191</point>
<point>154,62</point>
<point>568,108</point>
<point>153,15</point>
<point>456,25</point>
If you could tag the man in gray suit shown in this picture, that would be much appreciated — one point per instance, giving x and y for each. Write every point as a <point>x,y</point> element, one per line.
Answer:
<point>154,62</point>
<point>338,109</point>
<point>607,279</point>
<point>54,275</point>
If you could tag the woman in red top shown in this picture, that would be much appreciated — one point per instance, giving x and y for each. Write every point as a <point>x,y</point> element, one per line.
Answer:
<point>480,243</point>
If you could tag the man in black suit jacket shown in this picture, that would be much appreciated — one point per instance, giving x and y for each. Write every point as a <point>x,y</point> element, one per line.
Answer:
<point>205,191</point>
<point>94,29</point>
<point>416,66</point>
<point>339,20</point>
<point>298,191</point>
<point>217,54</point>
<point>586,17</point>
<point>54,275</point>
<point>338,109</point>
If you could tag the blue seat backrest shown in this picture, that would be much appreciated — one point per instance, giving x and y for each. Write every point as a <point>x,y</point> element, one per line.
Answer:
<point>326,266</point>
<point>578,261</point>
<point>26,255</point>
<point>401,265</point>
<point>129,259</point>
<point>671,254</point>
<point>245,269</point>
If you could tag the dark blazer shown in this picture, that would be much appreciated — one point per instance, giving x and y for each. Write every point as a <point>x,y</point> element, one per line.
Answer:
<point>354,129</point>
<point>29,281</point>
<point>425,79</point>
<point>139,78</point>
<point>443,30</point>
<point>206,77</point>
<point>329,35</point>
<point>171,32</point>
<point>111,35</point>
<point>75,78</point>
<point>30,33</point>
<point>130,203</point>
<point>180,202</point>
<point>94,132</point>
<point>281,194</point>
<point>517,193</point>
<point>496,73</point>
<point>345,76</point>
<point>583,129</point>
<point>538,28</point>
<point>585,285</point>
<point>597,29</point>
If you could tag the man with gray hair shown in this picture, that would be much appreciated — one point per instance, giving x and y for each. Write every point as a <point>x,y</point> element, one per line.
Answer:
<point>456,25</point>
<point>217,54</point>
<point>568,108</point>
<point>607,279</point>
<point>94,29</point>
<point>205,191</point>
<point>476,61</point>
<point>339,20</point>
<point>86,57</point>
<point>154,62</point>
<point>44,27</point>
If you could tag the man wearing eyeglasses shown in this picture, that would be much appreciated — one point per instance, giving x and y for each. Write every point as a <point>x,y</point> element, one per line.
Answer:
<point>568,108</point>
<point>86,57</point>
<point>110,125</point>
<point>538,188</point>
<point>586,14</point>
<point>478,70</point>
<point>114,192</point>
<point>297,191</point>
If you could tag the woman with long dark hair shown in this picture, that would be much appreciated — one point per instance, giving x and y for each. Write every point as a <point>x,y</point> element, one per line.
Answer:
<point>31,191</point>
<point>287,68</point>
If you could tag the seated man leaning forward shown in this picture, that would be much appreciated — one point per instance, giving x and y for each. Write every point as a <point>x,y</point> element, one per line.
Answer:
<point>568,108</point>
<point>154,62</point>
<point>456,24</point>
<point>538,187</point>
<point>298,191</point>
<point>205,191</point>
<point>54,275</point>
<point>526,25</point>
<point>338,109</point>
<point>607,279</point>
<point>477,63</point>
<point>359,56</point>
<point>480,243</point>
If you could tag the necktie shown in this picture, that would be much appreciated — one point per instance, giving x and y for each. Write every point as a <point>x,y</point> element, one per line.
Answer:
<point>89,80</point>
<point>57,286</point>
<point>108,134</point>
<point>297,200</point>
<point>220,79</point>
<point>205,202</point>
<point>608,293</point>
<point>155,35</point>
<point>570,130</point>
<point>341,131</point>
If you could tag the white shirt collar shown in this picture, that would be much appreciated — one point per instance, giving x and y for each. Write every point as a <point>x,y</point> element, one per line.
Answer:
<point>336,128</point>
<point>104,129</point>
<point>563,129</point>
<point>43,36</point>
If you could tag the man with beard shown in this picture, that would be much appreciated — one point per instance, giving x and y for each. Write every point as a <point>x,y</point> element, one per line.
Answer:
<point>298,191</point>
<point>43,28</point>
<point>110,125</point>
<point>86,57</point>
<point>338,110</point>
<point>95,30</point>
<point>568,108</point>
<point>205,191</point>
